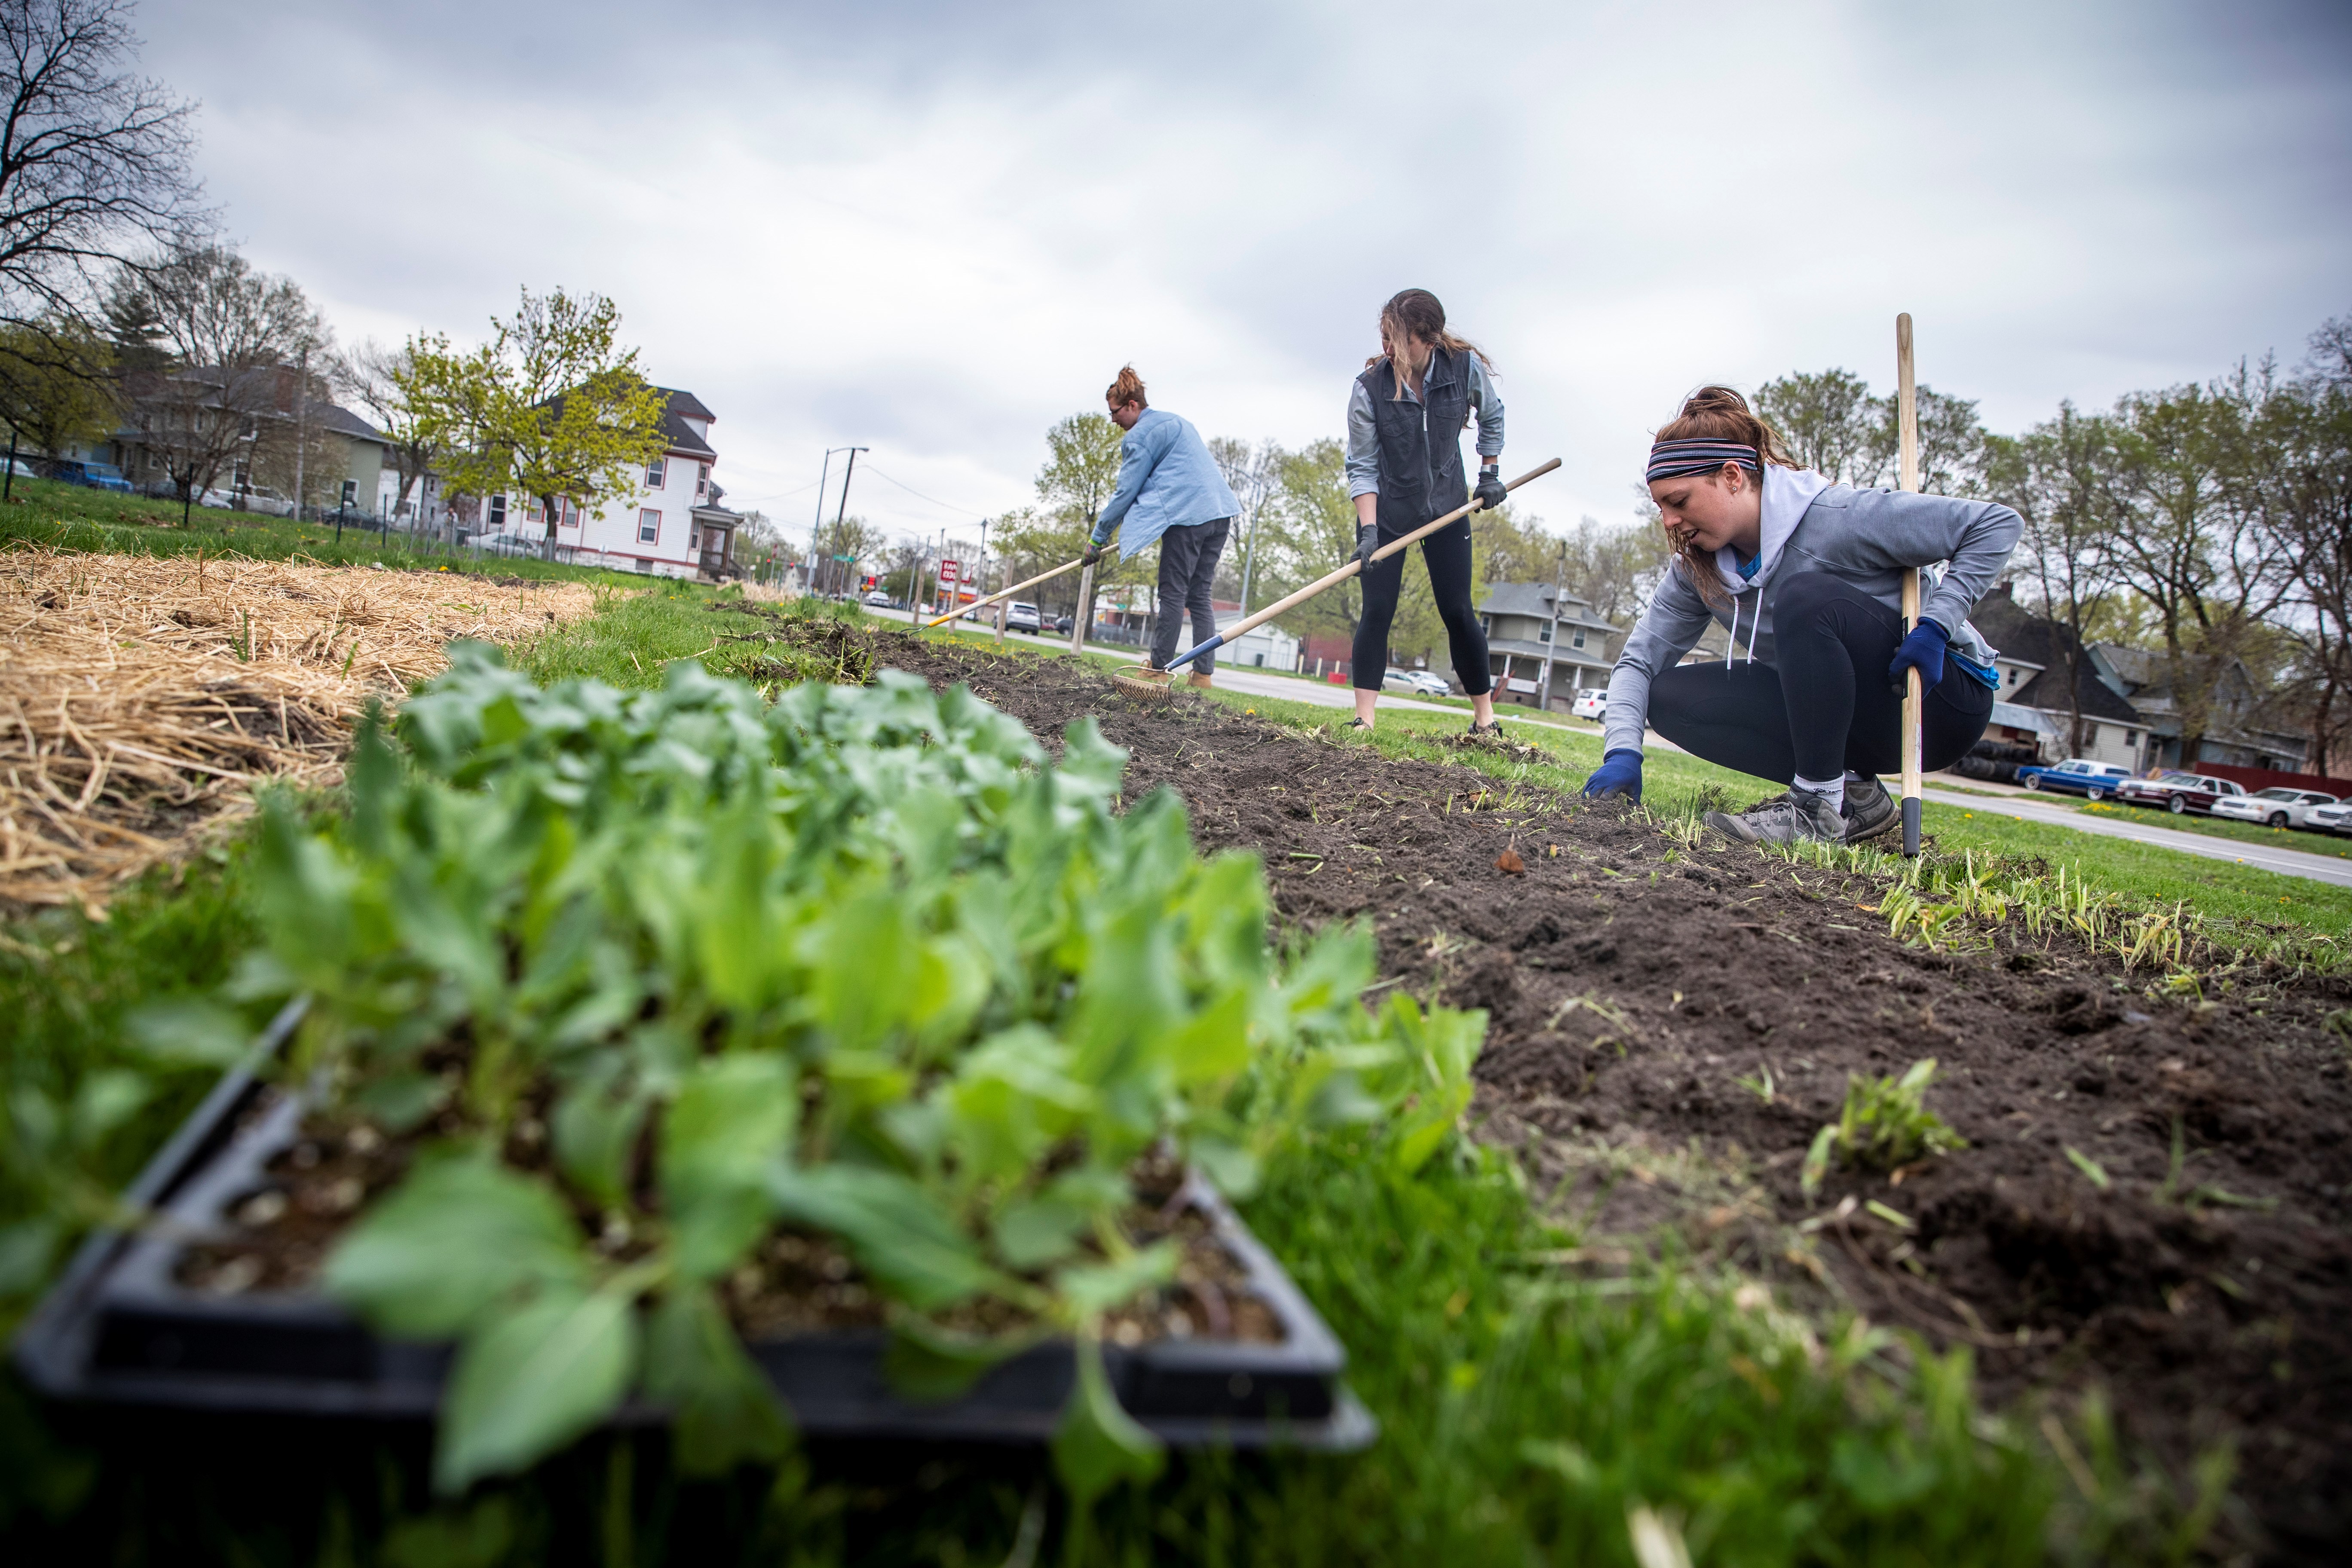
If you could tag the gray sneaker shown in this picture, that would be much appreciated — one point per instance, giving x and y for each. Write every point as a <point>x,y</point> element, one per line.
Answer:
<point>1869,810</point>
<point>1800,815</point>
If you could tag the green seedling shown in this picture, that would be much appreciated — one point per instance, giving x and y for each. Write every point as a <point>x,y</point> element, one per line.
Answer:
<point>1884,1124</point>
<point>2089,1167</point>
<point>1762,1085</point>
<point>862,964</point>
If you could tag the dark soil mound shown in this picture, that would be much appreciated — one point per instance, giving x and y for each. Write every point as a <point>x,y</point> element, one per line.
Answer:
<point>1631,982</point>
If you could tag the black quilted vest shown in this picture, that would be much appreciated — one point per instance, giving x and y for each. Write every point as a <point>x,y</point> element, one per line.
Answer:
<point>1421,457</point>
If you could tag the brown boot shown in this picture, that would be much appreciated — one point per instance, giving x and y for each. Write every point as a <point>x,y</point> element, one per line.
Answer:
<point>1199,682</point>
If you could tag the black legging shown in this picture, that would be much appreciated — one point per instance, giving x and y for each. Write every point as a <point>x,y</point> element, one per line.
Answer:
<point>1447,554</point>
<point>1827,709</point>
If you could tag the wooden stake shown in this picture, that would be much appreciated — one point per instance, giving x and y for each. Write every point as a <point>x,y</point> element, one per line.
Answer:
<point>1906,403</point>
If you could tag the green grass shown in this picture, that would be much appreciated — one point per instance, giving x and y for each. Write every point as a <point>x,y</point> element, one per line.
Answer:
<point>1531,1410</point>
<point>2185,822</point>
<point>72,517</point>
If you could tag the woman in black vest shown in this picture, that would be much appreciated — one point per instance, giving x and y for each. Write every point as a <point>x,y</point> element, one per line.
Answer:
<point>1405,420</point>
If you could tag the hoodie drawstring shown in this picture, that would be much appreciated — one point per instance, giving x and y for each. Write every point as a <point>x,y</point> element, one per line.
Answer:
<point>1731,639</point>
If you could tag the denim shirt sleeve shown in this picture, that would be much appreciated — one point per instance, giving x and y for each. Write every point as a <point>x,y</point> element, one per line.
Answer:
<point>1138,453</point>
<point>1489,405</point>
<point>1363,445</point>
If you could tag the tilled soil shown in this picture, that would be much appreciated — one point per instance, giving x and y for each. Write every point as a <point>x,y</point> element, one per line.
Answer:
<point>2202,1278</point>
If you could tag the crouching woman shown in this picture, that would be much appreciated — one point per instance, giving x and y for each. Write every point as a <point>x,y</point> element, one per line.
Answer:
<point>1806,577</point>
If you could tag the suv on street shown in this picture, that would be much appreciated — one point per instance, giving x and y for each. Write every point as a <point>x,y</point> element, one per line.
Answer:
<point>2095,780</point>
<point>1020,618</point>
<point>2275,807</point>
<point>2178,791</point>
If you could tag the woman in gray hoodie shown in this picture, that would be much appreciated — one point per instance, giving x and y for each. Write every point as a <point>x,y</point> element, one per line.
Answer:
<point>1806,575</point>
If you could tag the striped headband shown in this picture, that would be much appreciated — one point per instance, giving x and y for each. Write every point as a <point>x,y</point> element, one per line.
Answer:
<point>1673,459</point>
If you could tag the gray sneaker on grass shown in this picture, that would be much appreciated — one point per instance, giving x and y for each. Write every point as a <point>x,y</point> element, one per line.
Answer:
<point>1869,810</point>
<point>1793,817</point>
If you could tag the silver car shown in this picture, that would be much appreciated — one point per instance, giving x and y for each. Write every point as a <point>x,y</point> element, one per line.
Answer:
<point>2275,807</point>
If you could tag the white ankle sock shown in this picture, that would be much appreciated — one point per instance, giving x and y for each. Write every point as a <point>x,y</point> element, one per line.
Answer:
<point>1834,791</point>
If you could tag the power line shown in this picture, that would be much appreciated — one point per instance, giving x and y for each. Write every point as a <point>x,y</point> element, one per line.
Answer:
<point>920,496</point>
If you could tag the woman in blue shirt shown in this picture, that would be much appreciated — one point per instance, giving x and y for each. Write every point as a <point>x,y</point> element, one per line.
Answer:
<point>1405,418</point>
<point>1171,491</point>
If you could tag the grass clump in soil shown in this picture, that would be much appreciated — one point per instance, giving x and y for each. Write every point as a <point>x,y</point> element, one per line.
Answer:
<point>1884,1125</point>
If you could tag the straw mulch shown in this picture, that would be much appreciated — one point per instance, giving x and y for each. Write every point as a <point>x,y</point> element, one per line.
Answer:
<point>140,699</point>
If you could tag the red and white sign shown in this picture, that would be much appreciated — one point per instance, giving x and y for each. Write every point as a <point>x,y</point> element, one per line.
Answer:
<point>947,573</point>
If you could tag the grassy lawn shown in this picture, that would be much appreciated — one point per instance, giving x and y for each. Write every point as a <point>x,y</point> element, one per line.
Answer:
<point>73,517</point>
<point>1531,1413</point>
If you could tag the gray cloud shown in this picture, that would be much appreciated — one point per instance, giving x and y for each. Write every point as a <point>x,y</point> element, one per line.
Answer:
<point>936,229</point>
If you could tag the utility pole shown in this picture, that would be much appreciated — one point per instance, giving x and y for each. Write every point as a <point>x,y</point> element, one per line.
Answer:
<point>1551,644</point>
<point>9,483</point>
<point>816,528</point>
<point>301,394</point>
<point>843,511</point>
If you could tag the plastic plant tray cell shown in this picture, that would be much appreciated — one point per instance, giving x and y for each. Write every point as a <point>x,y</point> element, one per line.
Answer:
<point>119,1329</point>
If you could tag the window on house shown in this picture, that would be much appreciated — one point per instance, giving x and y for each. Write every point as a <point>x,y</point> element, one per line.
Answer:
<point>654,471</point>
<point>571,512</point>
<point>643,565</point>
<point>649,527</point>
<point>1543,632</point>
<point>702,482</point>
<point>1577,641</point>
<point>497,513</point>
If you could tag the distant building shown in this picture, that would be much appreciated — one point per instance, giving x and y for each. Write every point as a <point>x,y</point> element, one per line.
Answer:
<point>2234,731</point>
<point>2031,707</point>
<point>1519,618</point>
<point>671,525</point>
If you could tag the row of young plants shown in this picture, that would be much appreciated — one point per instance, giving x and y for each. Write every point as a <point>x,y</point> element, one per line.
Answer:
<point>860,964</point>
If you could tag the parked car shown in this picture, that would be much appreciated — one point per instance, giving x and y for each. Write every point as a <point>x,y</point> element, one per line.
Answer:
<point>511,544</point>
<point>2178,791</point>
<point>1430,683</point>
<point>2095,780</point>
<point>1591,703</point>
<point>96,476</point>
<point>1021,617</point>
<point>2336,818</point>
<point>22,469</point>
<point>876,599</point>
<point>2275,807</point>
<point>1062,624</point>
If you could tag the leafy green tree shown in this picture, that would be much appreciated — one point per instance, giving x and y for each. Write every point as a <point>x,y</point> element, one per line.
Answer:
<point>2060,478</point>
<point>55,390</point>
<point>2302,482</point>
<point>1827,420</point>
<point>551,407</point>
<point>384,384</point>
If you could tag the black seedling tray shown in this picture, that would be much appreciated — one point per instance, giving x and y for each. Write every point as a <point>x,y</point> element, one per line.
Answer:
<point>120,1330</point>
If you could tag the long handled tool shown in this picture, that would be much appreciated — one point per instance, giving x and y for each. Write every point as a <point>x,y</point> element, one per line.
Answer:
<point>1281,605</point>
<point>1906,403</point>
<point>983,603</point>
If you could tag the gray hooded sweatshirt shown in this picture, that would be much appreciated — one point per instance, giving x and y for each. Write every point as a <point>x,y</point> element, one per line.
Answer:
<point>1866,538</point>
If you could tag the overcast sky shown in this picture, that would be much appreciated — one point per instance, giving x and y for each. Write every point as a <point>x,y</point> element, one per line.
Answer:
<point>934,229</point>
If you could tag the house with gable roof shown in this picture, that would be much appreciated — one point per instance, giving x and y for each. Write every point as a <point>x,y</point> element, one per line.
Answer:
<point>671,525</point>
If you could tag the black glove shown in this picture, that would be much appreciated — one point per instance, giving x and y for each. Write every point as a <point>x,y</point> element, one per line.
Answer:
<point>1368,539</point>
<point>1091,554</point>
<point>1490,491</point>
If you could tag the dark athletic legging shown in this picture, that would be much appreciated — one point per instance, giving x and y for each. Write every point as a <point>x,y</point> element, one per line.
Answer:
<point>1447,554</point>
<point>1828,708</point>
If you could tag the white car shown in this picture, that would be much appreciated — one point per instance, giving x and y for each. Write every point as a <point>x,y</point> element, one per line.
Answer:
<point>2336,818</point>
<point>876,599</point>
<point>2277,807</point>
<point>1020,618</point>
<point>1591,703</point>
<point>1426,682</point>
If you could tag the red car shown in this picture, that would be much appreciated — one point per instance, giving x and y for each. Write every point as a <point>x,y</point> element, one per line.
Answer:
<point>2177,792</point>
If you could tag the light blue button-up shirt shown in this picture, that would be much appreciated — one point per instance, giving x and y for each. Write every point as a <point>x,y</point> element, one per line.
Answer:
<point>1166,479</point>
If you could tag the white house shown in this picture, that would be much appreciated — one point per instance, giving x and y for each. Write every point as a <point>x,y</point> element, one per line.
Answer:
<point>673,526</point>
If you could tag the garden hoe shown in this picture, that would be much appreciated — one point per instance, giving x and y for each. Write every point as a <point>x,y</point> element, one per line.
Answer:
<point>1907,398</point>
<point>1145,682</point>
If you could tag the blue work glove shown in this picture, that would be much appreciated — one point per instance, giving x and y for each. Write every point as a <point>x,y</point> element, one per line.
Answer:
<point>1620,772</point>
<point>1490,491</point>
<point>1368,539</point>
<point>1923,648</point>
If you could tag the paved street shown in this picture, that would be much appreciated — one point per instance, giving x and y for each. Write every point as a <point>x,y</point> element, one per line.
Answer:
<point>2026,808</point>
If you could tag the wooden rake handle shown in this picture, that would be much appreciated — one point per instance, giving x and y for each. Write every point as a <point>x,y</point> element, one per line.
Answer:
<point>1906,402</point>
<point>1007,594</point>
<point>1344,572</point>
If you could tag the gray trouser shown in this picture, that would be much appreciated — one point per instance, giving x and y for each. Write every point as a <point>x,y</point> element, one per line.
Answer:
<point>1188,569</point>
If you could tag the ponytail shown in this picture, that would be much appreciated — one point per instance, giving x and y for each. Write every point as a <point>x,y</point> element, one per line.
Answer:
<point>1127,389</point>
